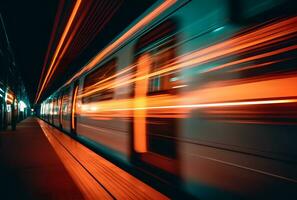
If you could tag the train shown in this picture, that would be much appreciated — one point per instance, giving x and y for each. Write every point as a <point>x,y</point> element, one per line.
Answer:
<point>204,91</point>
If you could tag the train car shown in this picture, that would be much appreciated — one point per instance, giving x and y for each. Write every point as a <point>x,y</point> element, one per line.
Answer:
<point>204,91</point>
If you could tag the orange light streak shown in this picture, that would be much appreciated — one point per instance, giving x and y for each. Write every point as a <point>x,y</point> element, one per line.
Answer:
<point>66,30</point>
<point>266,90</point>
<point>74,108</point>
<point>224,104</point>
<point>255,66</point>
<point>141,87</point>
<point>275,91</point>
<point>61,111</point>
<point>262,37</point>
<point>58,15</point>
<point>263,55</point>
<point>169,111</point>
<point>143,22</point>
<point>126,69</point>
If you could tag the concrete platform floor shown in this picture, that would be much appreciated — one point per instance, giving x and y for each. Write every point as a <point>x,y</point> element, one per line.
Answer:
<point>38,161</point>
<point>30,168</point>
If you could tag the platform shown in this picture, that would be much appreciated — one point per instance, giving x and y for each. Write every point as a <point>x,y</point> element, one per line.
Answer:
<point>40,162</point>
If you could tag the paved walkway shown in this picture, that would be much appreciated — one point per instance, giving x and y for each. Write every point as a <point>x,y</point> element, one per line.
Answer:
<point>30,168</point>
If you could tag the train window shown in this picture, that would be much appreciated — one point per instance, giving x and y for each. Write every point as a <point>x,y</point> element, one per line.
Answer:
<point>60,104</point>
<point>97,86</point>
<point>65,101</point>
<point>55,111</point>
<point>163,56</point>
<point>160,44</point>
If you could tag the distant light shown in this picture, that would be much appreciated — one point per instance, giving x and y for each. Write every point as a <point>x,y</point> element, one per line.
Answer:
<point>32,110</point>
<point>22,106</point>
<point>218,29</point>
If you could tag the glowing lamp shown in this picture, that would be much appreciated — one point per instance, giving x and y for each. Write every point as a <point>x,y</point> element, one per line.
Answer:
<point>22,106</point>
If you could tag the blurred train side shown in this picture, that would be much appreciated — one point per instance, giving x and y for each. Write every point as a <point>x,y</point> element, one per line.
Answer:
<point>219,109</point>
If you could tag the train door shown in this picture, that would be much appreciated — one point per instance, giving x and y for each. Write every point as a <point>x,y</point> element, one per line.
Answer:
<point>73,120</point>
<point>52,104</point>
<point>55,111</point>
<point>66,109</point>
<point>155,133</point>
<point>60,112</point>
<point>48,110</point>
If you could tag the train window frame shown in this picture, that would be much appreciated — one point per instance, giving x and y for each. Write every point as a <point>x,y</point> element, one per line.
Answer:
<point>55,104</point>
<point>154,50</point>
<point>102,95</point>
<point>65,93</point>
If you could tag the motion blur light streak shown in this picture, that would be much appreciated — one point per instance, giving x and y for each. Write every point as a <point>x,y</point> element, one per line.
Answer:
<point>264,55</point>
<point>74,108</point>
<point>218,104</point>
<point>51,42</point>
<point>106,107</point>
<point>60,110</point>
<point>164,6</point>
<point>107,50</point>
<point>141,87</point>
<point>217,51</point>
<point>61,42</point>
<point>255,66</point>
<point>271,34</point>
<point>193,97</point>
